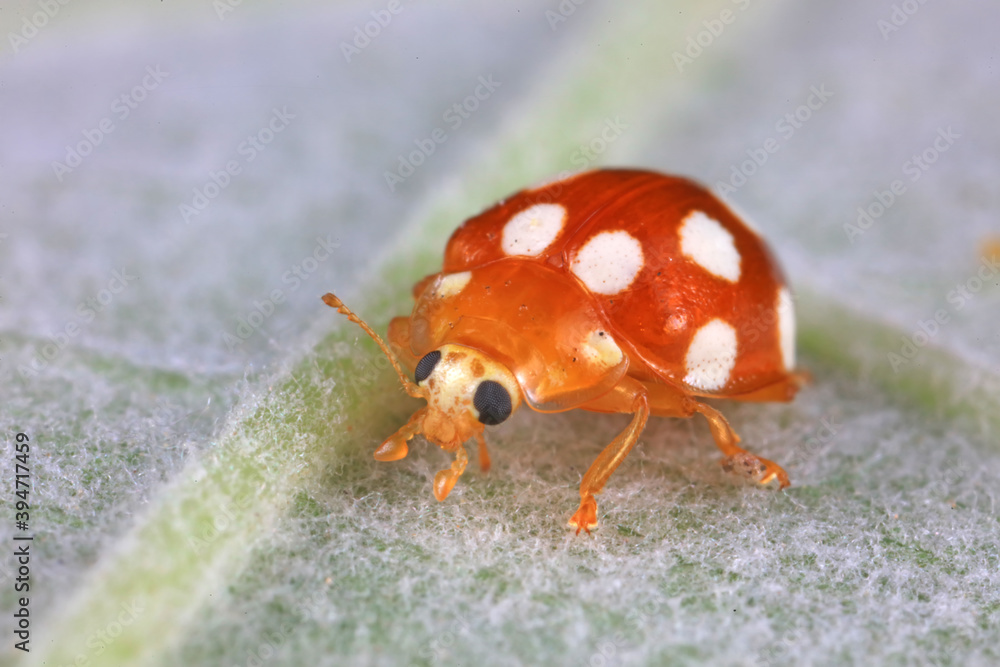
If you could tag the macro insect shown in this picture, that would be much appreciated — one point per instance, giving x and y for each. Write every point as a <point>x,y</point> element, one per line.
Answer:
<point>617,291</point>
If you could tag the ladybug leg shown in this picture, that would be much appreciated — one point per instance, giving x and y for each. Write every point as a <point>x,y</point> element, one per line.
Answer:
<point>395,448</point>
<point>630,396</point>
<point>484,454</point>
<point>738,459</point>
<point>445,480</point>
<point>666,401</point>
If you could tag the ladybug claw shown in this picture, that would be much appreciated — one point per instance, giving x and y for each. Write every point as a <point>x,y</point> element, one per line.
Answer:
<point>585,517</point>
<point>758,469</point>
<point>444,480</point>
<point>393,449</point>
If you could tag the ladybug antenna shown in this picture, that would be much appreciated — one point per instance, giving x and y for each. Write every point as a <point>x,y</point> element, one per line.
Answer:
<point>411,389</point>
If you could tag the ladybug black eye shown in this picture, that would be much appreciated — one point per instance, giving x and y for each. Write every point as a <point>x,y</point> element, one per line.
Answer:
<point>426,366</point>
<point>492,401</point>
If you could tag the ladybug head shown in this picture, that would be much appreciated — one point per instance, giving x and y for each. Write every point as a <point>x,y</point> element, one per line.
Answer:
<point>465,390</point>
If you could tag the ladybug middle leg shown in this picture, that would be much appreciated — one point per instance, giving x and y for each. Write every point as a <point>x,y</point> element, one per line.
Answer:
<point>484,454</point>
<point>629,395</point>
<point>444,480</point>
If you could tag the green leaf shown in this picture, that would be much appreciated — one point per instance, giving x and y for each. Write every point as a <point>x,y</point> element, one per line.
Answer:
<point>222,515</point>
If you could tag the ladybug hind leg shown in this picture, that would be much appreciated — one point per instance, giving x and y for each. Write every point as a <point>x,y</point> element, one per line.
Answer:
<point>736,458</point>
<point>666,401</point>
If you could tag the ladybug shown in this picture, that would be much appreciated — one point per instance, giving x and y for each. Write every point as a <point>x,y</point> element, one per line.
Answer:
<point>614,290</point>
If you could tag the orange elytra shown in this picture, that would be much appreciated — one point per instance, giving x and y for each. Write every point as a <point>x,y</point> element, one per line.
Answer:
<point>612,291</point>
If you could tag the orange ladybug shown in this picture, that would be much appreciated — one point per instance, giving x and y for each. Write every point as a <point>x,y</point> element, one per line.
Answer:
<point>612,291</point>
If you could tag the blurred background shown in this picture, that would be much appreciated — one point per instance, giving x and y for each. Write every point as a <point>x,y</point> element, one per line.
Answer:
<point>181,180</point>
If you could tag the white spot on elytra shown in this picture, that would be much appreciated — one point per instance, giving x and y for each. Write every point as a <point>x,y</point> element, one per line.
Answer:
<point>711,356</point>
<point>786,327</point>
<point>711,245</point>
<point>533,230</point>
<point>452,283</point>
<point>601,349</point>
<point>608,262</point>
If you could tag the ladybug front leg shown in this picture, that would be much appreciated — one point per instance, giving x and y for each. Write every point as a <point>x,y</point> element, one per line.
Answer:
<point>738,459</point>
<point>395,448</point>
<point>628,396</point>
